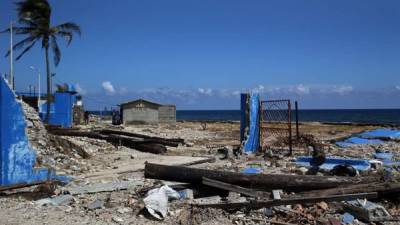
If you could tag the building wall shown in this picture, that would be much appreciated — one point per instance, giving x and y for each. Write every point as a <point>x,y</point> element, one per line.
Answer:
<point>167,114</point>
<point>134,115</point>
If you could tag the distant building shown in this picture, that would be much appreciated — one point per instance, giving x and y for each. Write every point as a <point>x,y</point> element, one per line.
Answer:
<point>146,112</point>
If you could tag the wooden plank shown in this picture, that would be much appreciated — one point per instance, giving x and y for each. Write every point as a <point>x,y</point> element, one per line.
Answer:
<point>290,201</point>
<point>234,188</point>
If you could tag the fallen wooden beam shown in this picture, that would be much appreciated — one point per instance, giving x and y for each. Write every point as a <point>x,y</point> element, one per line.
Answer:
<point>140,145</point>
<point>160,140</point>
<point>384,189</point>
<point>265,182</point>
<point>291,201</point>
<point>234,188</point>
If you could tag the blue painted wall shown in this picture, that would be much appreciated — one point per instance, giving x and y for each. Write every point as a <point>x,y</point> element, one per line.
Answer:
<point>17,157</point>
<point>61,110</point>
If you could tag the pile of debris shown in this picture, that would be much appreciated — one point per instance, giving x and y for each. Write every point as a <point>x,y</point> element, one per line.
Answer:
<point>58,152</point>
<point>264,198</point>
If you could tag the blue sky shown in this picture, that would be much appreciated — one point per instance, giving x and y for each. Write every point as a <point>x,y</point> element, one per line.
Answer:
<point>201,54</point>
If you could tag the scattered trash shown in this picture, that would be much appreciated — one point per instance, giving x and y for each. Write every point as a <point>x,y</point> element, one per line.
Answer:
<point>347,218</point>
<point>186,194</point>
<point>156,201</point>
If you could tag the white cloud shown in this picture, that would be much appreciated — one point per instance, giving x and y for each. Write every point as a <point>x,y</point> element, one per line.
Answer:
<point>342,89</point>
<point>301,89</point>
<point>260,89</point>
<point>108,87</point>
<point>80,90</point>
<point>397,87</point>
<point>206,91</point>
<point>123,90</point>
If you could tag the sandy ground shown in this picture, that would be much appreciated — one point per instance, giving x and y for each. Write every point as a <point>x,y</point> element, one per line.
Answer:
<point>112,163</point>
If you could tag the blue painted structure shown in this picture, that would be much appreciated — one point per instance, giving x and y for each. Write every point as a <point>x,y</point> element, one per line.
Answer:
<point>252,142</point>
<point>61,110</point>
<point>17,157</point>
<point>358,164</point>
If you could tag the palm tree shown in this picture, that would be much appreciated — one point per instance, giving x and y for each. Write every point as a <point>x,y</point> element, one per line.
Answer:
<point>34,17</point>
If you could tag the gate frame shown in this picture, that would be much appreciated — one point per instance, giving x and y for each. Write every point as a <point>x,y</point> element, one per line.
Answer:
<point>289,121</point>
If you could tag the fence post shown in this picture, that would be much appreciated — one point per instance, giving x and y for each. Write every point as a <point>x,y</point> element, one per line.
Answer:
<point>290,127</point>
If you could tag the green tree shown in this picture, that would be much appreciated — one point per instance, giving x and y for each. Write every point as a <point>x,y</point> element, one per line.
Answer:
<point>34,18</point>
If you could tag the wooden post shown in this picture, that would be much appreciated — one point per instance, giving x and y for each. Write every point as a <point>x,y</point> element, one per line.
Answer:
<point>297,119</point>
<point>290,127</point>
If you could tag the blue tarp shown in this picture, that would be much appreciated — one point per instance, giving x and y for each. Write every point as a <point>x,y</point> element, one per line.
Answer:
<point>383,155</point>
<point>251,171</point>
<point>381,133</point>
<point>252,143</point>
<point>330,163</point>
<point>357,141</point>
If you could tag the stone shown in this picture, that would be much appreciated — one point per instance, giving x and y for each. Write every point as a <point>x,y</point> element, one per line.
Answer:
<point>96,204</point>
<point>117,219</point>
<point>123,210</point>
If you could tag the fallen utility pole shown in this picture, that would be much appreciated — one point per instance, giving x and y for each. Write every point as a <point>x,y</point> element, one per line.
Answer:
<point>291,201</point>
<point>263,182</point>
<point>234,188</point>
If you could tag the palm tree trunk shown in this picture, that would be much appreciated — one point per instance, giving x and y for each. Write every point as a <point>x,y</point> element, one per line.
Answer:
<point>48,86</point>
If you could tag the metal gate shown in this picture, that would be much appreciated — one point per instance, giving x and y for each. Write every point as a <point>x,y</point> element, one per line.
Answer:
<point>276,121</point>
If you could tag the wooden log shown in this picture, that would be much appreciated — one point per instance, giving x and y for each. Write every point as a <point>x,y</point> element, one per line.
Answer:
<point>147,137</point>
<point>289,201</point>
<point>265,182</point>
<point>234,188</point>
<point>140,145</point>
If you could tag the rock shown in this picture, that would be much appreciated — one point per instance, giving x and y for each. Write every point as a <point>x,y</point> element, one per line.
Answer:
<point>117,219</point>
<point>323,205</point>
<point>123,210</point>
<point>97,204</point>
<point>302,171</point>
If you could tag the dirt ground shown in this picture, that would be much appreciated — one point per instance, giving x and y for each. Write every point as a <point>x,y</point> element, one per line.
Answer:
<point>108,163</point>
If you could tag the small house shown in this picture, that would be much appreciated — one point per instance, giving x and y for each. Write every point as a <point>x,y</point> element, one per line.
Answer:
<point>145,112</point>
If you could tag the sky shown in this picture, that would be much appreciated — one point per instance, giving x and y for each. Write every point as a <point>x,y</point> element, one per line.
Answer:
<point>203,54</point>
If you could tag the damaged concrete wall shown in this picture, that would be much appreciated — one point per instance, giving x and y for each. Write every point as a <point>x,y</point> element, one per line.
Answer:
<point>17,157</point>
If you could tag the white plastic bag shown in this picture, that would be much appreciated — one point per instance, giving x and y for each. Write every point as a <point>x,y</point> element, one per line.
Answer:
<point>156,201</point>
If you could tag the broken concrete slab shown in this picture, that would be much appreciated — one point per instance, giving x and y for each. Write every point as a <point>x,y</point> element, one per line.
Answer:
<point>367,211</point>
<point>107,187</point>
<point>56,201</point>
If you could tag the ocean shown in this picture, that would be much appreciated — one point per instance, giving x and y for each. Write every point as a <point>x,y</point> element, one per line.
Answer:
<point>367,116</point>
